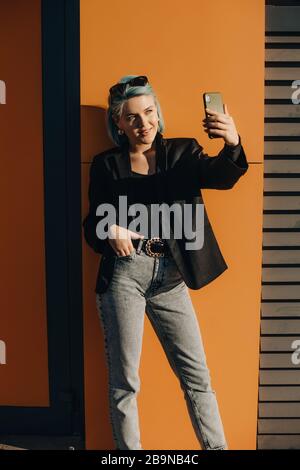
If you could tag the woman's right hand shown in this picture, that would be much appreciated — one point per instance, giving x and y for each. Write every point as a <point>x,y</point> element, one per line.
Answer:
<point>120,239</point>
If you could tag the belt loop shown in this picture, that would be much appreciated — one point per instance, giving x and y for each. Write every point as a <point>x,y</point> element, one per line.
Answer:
<point>139,247</point>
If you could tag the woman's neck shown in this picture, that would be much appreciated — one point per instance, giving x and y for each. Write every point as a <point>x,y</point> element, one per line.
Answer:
<point>142,149</point>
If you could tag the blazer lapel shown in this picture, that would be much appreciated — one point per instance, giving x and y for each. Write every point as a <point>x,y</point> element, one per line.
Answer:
<point>161,153</point>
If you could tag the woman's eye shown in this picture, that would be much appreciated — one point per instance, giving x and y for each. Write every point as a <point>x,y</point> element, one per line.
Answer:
<point>133,117</point>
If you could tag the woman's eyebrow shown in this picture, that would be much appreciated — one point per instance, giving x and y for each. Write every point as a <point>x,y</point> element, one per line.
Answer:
<point>133,114</point>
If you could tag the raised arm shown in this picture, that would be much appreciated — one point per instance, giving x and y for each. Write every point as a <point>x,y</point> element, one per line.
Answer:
<point>221,171</point>
<point>225,169</point>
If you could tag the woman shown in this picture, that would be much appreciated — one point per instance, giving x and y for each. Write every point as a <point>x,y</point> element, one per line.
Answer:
<point>140,272</point>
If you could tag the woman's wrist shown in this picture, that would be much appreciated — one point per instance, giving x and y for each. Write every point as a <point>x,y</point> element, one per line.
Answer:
<point>233,144</point>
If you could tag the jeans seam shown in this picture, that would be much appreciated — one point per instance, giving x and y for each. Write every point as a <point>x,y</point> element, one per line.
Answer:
<point>199,421</point>
<point>157,283</point>
<point>113,427</point>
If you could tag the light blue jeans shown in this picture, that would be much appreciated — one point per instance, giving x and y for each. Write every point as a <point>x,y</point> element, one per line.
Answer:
<point>141,283</point>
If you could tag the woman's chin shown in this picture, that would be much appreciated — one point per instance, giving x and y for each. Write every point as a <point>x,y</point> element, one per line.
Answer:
<point>146,139</point>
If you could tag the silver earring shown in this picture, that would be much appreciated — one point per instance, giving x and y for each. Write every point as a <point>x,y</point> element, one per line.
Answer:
<point>120,131</point>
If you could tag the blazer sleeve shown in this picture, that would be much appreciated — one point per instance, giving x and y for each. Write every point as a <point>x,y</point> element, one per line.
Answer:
<point>221,171</point>
<point>97,194</point>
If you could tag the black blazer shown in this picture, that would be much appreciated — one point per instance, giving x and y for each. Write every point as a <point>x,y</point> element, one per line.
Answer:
<point>182,170</point>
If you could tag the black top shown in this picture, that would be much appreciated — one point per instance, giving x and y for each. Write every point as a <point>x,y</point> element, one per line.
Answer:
<point>138,174</point>
<point>134,174</point>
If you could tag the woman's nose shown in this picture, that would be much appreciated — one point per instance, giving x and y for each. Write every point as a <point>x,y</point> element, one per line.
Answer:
<point>142,122</point>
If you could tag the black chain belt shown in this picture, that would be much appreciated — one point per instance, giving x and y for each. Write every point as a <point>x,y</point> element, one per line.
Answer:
<point>152,246</point>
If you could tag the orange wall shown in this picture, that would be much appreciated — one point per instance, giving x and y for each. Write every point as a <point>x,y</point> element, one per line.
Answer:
<point>185,48</point>
<point>23,321</point>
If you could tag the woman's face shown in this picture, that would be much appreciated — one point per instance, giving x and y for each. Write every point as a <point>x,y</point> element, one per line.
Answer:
<point>139,119</point>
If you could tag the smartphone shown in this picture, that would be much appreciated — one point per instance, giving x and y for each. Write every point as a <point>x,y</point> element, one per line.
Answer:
<point>213,100</point>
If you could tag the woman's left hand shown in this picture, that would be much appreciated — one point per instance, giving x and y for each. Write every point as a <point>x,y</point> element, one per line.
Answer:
<point>221,124</point>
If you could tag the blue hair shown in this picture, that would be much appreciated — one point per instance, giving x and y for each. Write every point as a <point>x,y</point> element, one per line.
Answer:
<point>115,107</point>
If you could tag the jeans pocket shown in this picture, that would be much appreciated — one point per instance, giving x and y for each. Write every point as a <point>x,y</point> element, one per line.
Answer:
<point>132,255</point>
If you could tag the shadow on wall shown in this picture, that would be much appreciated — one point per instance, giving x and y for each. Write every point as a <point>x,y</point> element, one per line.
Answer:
<point>94,137</point>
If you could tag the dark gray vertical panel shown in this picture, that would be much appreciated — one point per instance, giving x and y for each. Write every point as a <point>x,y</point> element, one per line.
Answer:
<point>282,18</point>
